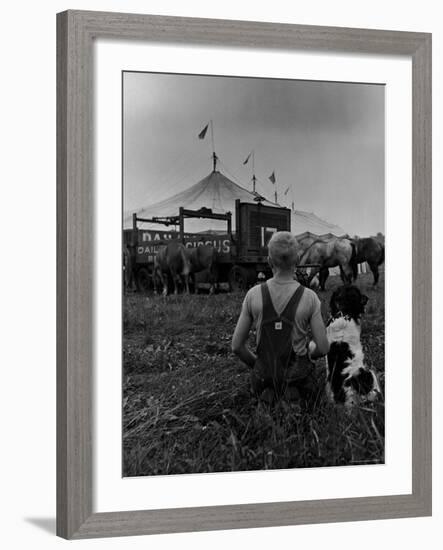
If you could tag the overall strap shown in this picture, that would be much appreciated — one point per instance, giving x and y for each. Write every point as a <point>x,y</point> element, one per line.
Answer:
<point>275,348</point>
<point>292,306</point>
<point>268,310</point>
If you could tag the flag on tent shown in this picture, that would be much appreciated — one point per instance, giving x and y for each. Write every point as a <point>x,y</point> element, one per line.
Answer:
<point>272,178</point>
<point>286,192</point>
<point>202,134</point>
<point>247,158</point>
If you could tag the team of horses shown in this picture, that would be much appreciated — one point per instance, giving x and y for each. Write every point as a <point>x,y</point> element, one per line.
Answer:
<point>176,262</point>
<point>342,252</point>
<point>175,265</point>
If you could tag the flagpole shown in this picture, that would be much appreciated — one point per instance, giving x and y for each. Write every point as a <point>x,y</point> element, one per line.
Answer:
<point>214,156</point>
<point>253,171</point>
<point>212,136</point>
<point>275,184</point>
<point>285,194</point>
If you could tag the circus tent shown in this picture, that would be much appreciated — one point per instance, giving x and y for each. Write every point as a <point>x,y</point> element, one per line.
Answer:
<point>215,191</point>
<point>307,222</point>
<point>219,193</point>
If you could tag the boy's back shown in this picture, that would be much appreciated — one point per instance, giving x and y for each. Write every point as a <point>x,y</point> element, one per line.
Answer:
<point>280,293</point>
<point>282,313</point>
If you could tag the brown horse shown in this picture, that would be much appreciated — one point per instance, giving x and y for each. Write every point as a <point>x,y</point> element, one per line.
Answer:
<point>204,257</point>
<point>337,251</point>
<point>368,250</point>
<point>172,260</point>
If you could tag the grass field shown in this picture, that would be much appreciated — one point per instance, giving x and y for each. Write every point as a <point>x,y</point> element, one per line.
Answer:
<point>186,401</point>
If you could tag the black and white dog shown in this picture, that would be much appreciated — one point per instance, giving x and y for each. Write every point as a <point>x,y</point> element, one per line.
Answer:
<point>349,381</point>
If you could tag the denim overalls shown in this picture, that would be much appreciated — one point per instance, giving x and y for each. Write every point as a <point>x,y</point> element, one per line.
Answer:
<point>278,368</point>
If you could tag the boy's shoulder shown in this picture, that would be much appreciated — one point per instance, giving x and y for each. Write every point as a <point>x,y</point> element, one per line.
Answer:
<point>311,300</point>
<point>311,294</point>
<point>308,293</point>
<point>254,291</point>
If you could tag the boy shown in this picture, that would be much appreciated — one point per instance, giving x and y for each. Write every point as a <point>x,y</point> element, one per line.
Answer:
<point>282,311</point>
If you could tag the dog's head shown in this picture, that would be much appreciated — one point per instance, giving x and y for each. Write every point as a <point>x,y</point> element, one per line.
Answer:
<point>348,300</point>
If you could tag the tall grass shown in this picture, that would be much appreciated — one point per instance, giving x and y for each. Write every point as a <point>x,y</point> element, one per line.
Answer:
<point>187,406</point>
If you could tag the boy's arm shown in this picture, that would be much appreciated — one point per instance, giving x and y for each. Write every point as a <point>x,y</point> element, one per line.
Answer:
<point>320,345</point>
<point>240,337</point>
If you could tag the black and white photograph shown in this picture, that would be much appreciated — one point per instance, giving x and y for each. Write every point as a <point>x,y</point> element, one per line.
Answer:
<point>227,341</point>
<point>253,270</point>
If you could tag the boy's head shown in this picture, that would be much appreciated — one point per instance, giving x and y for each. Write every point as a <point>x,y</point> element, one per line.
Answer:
<point>283,251</point>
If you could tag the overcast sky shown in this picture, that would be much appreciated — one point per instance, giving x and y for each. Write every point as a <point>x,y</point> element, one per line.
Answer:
<point>324,140</point>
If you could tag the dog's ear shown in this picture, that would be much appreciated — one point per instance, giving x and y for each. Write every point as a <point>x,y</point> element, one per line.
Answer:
<point>364,300</point>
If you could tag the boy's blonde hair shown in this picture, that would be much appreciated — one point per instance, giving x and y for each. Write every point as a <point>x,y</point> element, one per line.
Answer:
<point>283,250</point>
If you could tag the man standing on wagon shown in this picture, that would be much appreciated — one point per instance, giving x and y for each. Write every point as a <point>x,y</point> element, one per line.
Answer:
<point>282,312</point>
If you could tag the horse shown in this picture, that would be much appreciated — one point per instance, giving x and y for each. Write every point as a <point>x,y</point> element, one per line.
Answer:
<point>204,257</point>
<point>128,267</point>
<point>172,260</point>
<point>336,251</point>
<point>368,250</point>
<point>304,242</point>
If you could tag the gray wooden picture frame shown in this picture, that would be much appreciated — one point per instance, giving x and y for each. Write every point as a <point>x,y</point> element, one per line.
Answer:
<point>76,31</point>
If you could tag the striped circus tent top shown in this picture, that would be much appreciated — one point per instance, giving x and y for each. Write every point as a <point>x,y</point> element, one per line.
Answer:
<point>219,193</point>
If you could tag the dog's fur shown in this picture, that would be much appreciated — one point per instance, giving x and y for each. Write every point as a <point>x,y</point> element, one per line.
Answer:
<point>349,381</point>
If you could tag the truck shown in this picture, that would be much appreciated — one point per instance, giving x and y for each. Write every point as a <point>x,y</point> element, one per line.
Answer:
<point>242,253</point>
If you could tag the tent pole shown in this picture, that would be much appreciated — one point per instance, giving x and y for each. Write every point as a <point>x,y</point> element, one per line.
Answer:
<point>214,156</point>
<point>253,171</point>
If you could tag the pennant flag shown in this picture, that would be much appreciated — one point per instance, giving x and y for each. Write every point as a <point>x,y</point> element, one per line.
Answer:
<point>202,134</point>
<point>286,192</point>
<point>272,178</point>
<point>247,158</point>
